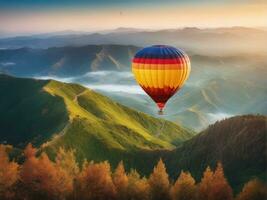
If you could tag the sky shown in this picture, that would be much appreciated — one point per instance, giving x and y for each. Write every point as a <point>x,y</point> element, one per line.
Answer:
<point>40,16</point>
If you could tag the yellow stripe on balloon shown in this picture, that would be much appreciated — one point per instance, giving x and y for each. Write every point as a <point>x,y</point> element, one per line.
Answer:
<point>161,78</point>
<point>157,66</point>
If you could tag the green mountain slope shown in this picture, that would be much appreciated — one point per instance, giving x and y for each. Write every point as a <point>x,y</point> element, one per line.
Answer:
<point>57,114</point>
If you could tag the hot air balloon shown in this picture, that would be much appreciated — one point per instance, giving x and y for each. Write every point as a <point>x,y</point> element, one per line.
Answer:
<point>161,71</point>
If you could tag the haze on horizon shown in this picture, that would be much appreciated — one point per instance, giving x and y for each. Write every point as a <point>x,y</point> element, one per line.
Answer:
<point>31,17</point>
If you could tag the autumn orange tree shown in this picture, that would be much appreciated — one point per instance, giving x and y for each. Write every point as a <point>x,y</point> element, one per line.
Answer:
<point>159,182</point>
<point>43,179</point>
<point>95,182</point>
<point>184,188</point>
<point>214,186</point>
<point>67,170</point>
<point>205,185</point>
<point>253,190</point>
<point>221,189</point>
<point>66,161</point>
<point>120,181</point>
<point>9,174</point>
<point>38,177</point>
<point>138,188</point>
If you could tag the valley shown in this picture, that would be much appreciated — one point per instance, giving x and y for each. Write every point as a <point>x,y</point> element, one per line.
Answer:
<point>200,102</point>
<point>53,115</point>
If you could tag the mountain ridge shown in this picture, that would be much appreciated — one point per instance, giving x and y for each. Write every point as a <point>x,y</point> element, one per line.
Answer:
<point>233,39</point>
<point>94,111</point>
<point>66,61</point>
<point>77,60</point>
<point>99,129</point>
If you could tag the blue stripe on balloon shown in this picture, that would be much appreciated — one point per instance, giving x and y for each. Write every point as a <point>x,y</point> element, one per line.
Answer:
<point>160,51</point>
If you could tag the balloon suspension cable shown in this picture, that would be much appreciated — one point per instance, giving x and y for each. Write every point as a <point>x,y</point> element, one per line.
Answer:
<point>160,130</point>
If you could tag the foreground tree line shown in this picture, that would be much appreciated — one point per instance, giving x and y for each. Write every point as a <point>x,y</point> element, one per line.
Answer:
<point>40,178</point>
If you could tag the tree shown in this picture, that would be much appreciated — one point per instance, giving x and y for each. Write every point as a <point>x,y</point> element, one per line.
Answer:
<point>220,190</point>
<point>42,179</point>
<point>184,187</point>
<point>95,182</point>
<point>253,190</point>
<point>67,169</point>
<point>159,182</point>
<point>30,151</point>
<point>9,174</point>
<point>138,188</point>
<point>214,186</point>
<point>29,170</point>
<point>205,185</point>
<point>66,161</point>
<point>120,181</point>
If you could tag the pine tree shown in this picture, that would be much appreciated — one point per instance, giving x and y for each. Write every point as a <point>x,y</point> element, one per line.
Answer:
<point>184,187</point>
<point>120,181</point>
<point>159,182</point>
<point>253,190</point>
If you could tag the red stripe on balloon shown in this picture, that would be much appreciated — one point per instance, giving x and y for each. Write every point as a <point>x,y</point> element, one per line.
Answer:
<point>157,67</point>
<point>160,95</point>
<point>158,61</point>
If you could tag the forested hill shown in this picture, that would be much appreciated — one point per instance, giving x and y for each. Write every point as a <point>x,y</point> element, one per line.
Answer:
<point>238,142</point>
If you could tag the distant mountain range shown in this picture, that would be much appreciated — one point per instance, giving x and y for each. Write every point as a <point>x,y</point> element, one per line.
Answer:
<point>66,61</point>
<point>51,114</point>
<point>228,67</point>
<point>218,86</point>
<point>210,41</point>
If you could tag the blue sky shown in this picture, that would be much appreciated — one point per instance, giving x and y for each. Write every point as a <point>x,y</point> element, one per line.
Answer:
<point>37,16</point>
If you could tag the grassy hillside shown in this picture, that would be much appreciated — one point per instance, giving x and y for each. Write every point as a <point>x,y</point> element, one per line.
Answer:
<point>238,142</point>
<point>57,114</point>
<point>101,129</point>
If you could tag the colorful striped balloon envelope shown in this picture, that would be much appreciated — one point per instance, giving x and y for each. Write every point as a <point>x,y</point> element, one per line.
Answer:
<point>161,71</point>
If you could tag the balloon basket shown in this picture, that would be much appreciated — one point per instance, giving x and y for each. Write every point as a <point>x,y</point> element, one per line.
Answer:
<point>160,112</point>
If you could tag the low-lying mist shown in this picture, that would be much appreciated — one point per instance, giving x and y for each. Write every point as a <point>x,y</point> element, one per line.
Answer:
<point>217,88</point>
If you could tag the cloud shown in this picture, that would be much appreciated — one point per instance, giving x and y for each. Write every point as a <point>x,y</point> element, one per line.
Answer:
<point>132,89</point>
<point>66,80</point>
<point>213,117</point>
<point>107,81</point>
<point>108,73</point>
<point>6,64</point>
